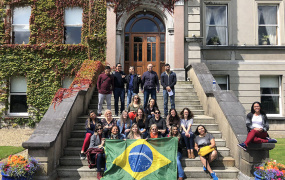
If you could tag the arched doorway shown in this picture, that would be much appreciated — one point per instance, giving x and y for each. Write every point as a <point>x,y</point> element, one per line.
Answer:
<point>144,42</point>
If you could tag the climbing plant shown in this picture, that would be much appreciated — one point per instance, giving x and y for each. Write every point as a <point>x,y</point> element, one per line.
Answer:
<point>45,61</point>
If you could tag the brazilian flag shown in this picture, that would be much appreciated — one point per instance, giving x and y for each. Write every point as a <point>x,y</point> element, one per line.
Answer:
<point>141,159</point>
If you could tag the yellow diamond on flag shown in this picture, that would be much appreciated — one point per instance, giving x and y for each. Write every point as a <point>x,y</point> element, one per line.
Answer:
<point>140,159</point>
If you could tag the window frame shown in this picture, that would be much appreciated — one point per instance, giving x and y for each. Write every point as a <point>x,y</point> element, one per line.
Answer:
<point>279,94</point>
<point>226,4</point>
<point>72,25</point>
<point>278,37</point>
<point>227,80</point>
<point>12,25</point>
<point>16,114</point>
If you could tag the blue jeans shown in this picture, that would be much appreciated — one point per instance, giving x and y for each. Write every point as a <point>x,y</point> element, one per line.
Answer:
<point>179,165</point>
<point>188,141</point>
<point>130,94</point>
<point>146,94</point>
<point>165,101</point>
<point>100,162</point>
<point>119,92</point>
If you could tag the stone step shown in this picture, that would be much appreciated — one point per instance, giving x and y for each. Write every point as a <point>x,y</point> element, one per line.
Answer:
<point>78,142</point>
<point>74,151</point>
<point>158,95</point>
<point>81,133</point>
<point>160,106</point>
<point>209,127</point>
<point>190,172</point>
<point>195,112</point>
<point>222,172</point>
<point>219,162</point>
<point>160,102</point>
<point>198,119</point>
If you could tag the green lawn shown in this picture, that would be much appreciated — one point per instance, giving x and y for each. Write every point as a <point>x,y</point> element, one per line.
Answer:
<point>6,151</point>
<point>278,153</point>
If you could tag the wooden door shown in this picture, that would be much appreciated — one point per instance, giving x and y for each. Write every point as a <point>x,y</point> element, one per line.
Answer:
<point>145,49</point>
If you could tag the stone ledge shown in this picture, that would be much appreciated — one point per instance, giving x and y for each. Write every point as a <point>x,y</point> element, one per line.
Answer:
<point>263,146</point>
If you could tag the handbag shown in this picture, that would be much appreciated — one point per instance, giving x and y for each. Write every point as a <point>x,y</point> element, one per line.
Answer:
<point>206,150</point>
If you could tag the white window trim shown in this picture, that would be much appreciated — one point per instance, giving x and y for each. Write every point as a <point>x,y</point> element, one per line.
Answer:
<point>279,9</point>
<point>22,114</point>
<point>13,25</point>
<point>227,21</point>
<point>222,75</point>
<point>280,97</point>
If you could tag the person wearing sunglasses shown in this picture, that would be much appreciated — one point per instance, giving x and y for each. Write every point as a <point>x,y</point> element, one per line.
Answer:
<point>159,121</point>
<point>98,142</point>
<point>90,125</point>
<point>154,133</point>
<point>134,106</point>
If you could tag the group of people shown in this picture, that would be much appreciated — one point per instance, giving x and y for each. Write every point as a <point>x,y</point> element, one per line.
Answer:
<point>147,124</point>
<point>148,83</point>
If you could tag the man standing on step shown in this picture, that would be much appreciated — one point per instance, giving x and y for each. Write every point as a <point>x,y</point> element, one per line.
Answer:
<point>149,84</point>
<point>105,85</point>
<point>168,81</point>
<point>133,81</point>
<point>119,88</point>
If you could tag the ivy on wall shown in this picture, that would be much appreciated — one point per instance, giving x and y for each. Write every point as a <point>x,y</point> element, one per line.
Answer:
<point>45,60</point>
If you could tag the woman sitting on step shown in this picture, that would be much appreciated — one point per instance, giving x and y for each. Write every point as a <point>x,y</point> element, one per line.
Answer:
<point>257,127</point>
<point>150,109</point>
<point>133,107</point>
<point>124,123</point>
<point>172,118</point>
<point>153,132</point>
<point>98,142</point>
<point>174,132</point>
<point>141,122</point>
<point>186,122</point>
<point>114,133</point>
<point>108,122</point>
<point>90,125</point>
<point>205,145</point>
<point>135,132</point>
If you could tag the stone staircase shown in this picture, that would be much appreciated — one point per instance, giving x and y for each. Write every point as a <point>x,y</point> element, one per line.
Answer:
<point>71,167</point>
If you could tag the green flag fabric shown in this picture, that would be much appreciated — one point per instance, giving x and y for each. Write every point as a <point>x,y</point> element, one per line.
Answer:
<point>141,159</point>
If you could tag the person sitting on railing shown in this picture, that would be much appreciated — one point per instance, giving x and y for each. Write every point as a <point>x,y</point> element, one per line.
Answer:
<point>205,145</point>
<point>124,123</point>
<point>135,132</point>
<point>257,127</point>
<point>90,125</point>
<point>142,122</point>
<point>97,142</point>
<point>174,132</point>
<point>107,123</point>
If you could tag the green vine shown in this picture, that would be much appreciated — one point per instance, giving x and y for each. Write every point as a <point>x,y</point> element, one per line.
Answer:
<point>45,60</point>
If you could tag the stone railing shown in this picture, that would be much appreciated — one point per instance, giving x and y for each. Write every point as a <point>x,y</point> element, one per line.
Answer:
<point>50,137</point>
<point>230,115</point>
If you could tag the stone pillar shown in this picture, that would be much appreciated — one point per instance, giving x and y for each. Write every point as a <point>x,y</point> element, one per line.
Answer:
<point>111,36</point>
<point>194,38</point>
<point>179,40</point>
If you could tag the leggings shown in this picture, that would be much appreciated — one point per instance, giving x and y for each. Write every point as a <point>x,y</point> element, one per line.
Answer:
<point>256,137</point>
<point>86,141</point>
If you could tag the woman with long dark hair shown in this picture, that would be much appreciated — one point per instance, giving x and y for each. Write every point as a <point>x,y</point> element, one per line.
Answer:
<point>257,127</point>
<point>114,133</point>
<point>90,125</point>
<point>150,108</point>
<point>142,122</point>
<point>186,122</point>
<point>172,118</point>
<point>202,139</point>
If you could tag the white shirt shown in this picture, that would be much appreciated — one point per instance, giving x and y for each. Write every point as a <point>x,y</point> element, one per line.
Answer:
<point>257,121</point>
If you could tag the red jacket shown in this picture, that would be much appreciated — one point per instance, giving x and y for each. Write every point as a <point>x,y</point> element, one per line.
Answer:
<point>105,84</point>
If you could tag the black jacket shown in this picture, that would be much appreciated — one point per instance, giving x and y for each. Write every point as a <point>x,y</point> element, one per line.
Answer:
<point>136,82</point>
<point>166,80</point>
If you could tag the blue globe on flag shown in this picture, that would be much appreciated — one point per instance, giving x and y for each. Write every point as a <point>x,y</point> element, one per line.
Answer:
<point>140,158</point>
